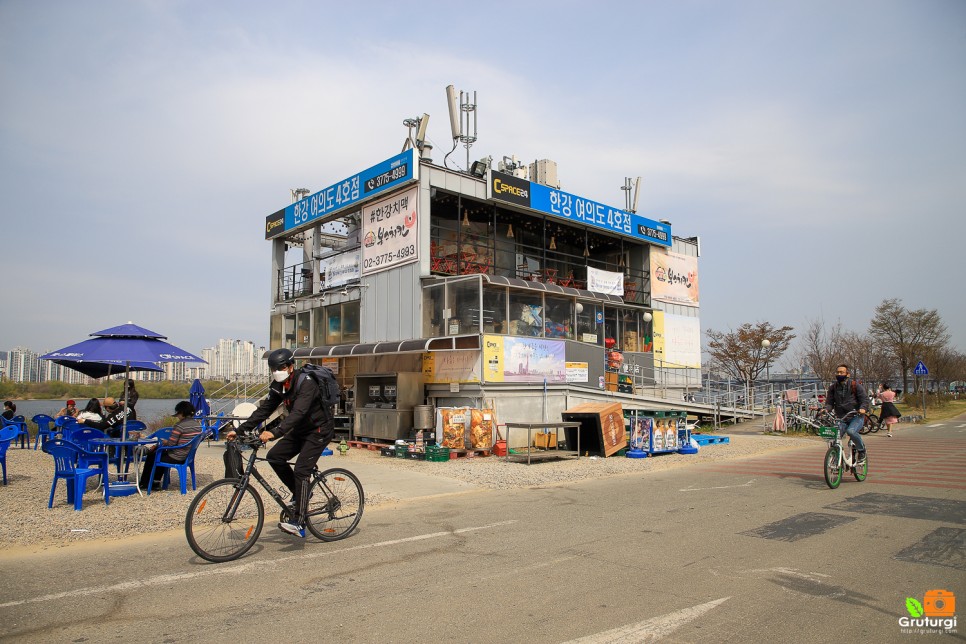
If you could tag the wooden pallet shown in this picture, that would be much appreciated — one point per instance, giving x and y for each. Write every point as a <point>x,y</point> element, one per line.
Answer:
<point>374,447</point>
<point>464,453</point>
<point>701,439</point>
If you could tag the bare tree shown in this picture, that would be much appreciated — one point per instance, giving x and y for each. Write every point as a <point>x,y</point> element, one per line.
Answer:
<point>740,353</point>
<point>822,349</point>
<point>870,365</point>
<point>907,335</point>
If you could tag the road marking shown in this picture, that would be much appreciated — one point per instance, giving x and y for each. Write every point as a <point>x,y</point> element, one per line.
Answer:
<point>718,487</point>
<point>650,630</point>
<point>936,425</point>
<point>238,569</point>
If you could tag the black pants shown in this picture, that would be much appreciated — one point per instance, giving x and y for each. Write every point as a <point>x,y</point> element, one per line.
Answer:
<point>145,479</point>
<point>308,445</point>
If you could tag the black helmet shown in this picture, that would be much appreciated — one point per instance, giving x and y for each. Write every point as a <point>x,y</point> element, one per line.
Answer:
<point>280,358</point>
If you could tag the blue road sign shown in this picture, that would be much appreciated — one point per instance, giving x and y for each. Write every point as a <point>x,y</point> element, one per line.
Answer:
<point>920,369</point>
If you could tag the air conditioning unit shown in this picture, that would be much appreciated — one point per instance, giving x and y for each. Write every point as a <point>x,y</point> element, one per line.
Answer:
<point>511,165</point>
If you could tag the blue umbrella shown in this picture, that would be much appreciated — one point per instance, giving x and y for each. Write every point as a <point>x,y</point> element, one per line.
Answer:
<point>127,344</point>
<point>101,369</point>
<point>196,396</point>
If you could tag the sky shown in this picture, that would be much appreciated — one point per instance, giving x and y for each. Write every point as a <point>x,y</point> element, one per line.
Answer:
<point>818,148</point>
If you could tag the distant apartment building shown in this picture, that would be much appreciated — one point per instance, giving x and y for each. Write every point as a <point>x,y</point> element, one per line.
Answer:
<point>235,360</point>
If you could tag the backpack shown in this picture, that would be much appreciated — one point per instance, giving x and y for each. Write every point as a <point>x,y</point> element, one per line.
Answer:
<point>328,387</point>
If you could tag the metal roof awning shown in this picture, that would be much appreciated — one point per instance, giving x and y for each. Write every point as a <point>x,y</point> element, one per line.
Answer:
<point>528,285</point>
<point>421,345</point>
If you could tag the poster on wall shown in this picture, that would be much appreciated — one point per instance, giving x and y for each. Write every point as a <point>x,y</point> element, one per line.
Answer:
<point>451,366</point>
<point>389,232</point>
<point>674,277</point>
<point>682,341</point>
<point>577,372</point>
<point>508,359</point>
<point>607,282</point>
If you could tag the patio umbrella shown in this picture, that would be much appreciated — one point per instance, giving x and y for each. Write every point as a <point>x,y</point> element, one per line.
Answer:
<point>196,396</point>
<point>128,344</point>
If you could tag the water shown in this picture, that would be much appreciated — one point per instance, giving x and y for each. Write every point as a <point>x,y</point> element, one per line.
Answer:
<point>148,409</point>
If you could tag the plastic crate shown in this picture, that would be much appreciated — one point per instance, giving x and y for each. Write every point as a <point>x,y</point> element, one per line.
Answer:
<point>416,456</point>
<point>437,454</point>
<point>402,451</point>
<point>387,451</point>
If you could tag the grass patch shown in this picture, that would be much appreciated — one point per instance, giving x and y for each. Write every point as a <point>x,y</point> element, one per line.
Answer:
<point>934,412</point>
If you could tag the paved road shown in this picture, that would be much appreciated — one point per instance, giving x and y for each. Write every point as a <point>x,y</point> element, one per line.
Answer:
<point>752,550</point>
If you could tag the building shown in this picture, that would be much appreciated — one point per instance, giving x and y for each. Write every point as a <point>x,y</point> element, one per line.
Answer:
<point>494,290</point>
<point>235,360</point>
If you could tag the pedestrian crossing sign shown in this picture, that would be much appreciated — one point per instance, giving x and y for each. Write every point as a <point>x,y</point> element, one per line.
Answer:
<point>920,369</point>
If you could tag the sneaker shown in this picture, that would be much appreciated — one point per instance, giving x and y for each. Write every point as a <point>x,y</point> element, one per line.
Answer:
<point>889,435</point>
<point>293,529</point>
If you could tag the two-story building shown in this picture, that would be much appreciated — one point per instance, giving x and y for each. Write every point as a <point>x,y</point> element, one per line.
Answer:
<point>423,285</point>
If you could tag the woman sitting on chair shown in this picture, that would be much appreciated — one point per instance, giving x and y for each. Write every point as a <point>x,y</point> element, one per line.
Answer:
<point>187,428</point>
<point>91,412</point>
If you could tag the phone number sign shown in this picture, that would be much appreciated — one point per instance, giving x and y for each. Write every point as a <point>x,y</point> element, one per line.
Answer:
<point>389,232</point>
<point>391,173</point>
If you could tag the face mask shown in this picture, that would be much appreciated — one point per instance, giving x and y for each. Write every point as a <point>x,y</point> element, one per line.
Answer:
<point>280,376</point>
<point>840,378</point>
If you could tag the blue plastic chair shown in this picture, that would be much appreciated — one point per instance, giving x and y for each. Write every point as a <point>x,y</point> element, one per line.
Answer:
<point>66,425</point>
<point>20,423</point>
<point>214,428</point>
<point>7,434</point>
<point>66,456</point>
<point>182,468</point>
<point>45,428</point>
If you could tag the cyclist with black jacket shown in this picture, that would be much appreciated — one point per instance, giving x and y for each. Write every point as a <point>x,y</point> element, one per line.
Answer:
<point>844,396</point>
<point>305,431</point>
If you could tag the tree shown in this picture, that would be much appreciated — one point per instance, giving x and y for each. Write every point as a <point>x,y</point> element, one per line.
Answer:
<point>740,354</point>
<point>907,335</point>
<point>822,350</point>
<point>868,363</point>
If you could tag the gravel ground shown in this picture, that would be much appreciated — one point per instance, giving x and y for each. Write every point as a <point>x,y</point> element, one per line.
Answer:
<point>28,522</point>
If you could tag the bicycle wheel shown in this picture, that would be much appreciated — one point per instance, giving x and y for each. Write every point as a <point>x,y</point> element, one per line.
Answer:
<point>833,466</point>
<point>873,423</point>
<point>336,505</point>
<point>210,534</point>
<point>861,470</point>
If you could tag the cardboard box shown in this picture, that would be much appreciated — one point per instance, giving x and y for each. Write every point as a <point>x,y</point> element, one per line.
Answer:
<point>546,441</point>
<point>601,427</point>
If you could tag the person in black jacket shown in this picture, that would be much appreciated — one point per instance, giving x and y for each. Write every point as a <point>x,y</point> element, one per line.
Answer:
<point>130,398</point>
<point>844,396</point>
<point>304,432</point>
<point>113,422</point>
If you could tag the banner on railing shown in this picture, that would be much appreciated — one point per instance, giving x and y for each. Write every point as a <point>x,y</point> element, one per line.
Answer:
<point>607,282</point>
<point>341,269</point>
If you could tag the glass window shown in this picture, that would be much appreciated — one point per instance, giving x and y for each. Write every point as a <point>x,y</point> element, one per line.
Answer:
<point>464,307</point>
<point>433,300</point>
<point>333,325</point>
<point>318,337</point>
<point>587,322</point>
<point>350,322</point>
<point>302,329</point>
<point>494,310</point>
<point>526,314</point>
<point>275,332</point>
<point>289,327</point>
<point>632,330</point>
<point>559,318</point>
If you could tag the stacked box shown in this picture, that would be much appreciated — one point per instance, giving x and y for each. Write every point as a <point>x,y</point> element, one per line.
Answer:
<point>437,454</point>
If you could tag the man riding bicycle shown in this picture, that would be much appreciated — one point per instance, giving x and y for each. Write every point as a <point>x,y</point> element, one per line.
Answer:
<point>846,396</point>
<point>306,431</point>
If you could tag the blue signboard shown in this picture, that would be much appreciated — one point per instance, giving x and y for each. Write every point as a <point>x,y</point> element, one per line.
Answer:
<point>390,173</point>
<point>584,211</point>
<point>920,369</point>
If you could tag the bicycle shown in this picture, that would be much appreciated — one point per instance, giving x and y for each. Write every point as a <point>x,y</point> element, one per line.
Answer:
<point>838,459</point>
<point>872,421</point>
<point>226,517</point>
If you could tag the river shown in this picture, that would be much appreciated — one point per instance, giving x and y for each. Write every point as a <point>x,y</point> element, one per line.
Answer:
<point>148,409</point>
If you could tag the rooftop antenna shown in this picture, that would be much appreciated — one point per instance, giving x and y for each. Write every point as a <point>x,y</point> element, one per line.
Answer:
<point>631,194</point>
<point>300,193</point>
<point>420,124</point>
<point>462,114</point>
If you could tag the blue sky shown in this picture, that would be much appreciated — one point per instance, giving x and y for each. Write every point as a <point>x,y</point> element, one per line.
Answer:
<point>817,148</point>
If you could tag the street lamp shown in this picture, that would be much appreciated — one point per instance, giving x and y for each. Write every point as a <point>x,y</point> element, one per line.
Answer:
<point>764,345</point>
